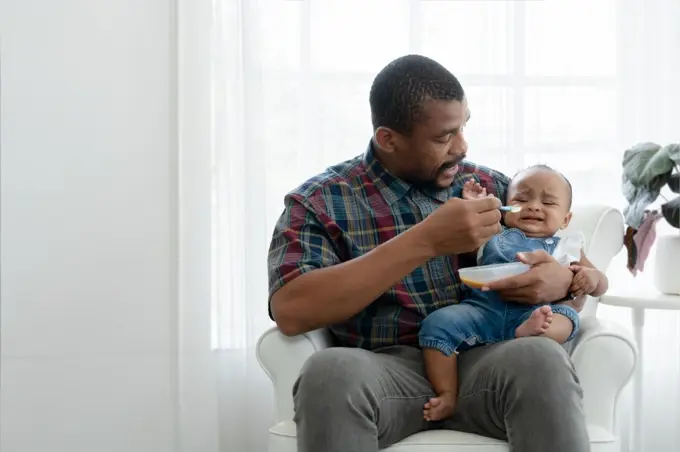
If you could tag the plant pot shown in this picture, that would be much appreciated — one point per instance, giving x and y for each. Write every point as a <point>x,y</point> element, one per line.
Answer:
<point>667,264</point>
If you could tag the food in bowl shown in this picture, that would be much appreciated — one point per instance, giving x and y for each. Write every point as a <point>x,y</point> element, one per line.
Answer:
<point>477,277</point>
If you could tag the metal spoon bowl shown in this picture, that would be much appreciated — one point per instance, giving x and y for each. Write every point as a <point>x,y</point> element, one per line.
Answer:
<point>511,209</point>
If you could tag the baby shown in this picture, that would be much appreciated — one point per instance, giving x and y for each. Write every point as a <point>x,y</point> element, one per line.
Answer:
<point>544,196</point>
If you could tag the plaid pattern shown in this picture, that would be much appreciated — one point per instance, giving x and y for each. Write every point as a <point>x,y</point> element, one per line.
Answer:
<point>350,209</point>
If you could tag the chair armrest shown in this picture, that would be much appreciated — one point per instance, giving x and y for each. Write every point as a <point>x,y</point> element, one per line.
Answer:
<point>282,358</point>
<point>603,229</point>
<point>604,357</point>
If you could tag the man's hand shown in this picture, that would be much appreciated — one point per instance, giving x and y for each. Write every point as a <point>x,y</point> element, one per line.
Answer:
<point>460,226</point>
<point>586,280</point>
<point>473,190</point>
<point>547,281</point>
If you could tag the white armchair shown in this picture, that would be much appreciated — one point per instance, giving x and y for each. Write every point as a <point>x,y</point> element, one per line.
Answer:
<point>604,356</point>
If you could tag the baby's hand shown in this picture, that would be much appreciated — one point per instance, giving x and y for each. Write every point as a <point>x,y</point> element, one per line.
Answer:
<point>585,280</point>
<point>472,190</point>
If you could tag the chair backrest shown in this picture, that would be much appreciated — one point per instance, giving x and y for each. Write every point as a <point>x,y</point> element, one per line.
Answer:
<point>603,230</point>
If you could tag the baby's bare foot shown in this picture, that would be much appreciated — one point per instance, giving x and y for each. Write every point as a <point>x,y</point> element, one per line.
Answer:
<point>537,324</point>
<point>439,407</point>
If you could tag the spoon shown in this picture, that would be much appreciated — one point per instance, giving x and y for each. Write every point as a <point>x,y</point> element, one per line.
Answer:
<point>511,209</point>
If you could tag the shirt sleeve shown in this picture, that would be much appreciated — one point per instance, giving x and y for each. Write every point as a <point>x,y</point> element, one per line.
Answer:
<point>300,244</point>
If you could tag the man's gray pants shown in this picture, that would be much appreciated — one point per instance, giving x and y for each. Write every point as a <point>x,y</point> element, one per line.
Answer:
<point>524,391</point>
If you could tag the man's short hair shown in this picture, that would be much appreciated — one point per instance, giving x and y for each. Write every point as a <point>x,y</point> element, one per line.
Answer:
<point>401,88</point>
<point>540,166</point>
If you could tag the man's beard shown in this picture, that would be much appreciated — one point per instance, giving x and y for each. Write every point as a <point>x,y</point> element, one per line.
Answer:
<point>431,184</point>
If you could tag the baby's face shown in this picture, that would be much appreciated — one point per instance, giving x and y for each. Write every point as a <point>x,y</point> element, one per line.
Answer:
<point>544,196</point>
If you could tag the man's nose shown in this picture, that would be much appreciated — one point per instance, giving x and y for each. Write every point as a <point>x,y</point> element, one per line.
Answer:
<point>459,145</point>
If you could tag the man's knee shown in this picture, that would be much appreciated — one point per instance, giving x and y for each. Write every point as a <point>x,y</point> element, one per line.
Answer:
<point>335,375</point>
<point>539,364</point>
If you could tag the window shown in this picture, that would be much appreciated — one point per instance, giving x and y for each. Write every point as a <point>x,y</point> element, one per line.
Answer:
<point>540,76</point>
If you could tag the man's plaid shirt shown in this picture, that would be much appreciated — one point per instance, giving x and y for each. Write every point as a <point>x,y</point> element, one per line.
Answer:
<point>350,209</point>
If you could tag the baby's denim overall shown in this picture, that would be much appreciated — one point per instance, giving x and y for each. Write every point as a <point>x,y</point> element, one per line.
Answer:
<point>483,318</point>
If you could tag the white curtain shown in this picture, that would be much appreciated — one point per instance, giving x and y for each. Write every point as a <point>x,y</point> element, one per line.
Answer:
<point>273,91</point>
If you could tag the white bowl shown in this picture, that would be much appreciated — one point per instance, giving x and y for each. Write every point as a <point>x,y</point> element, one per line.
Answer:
<point>476,277</point>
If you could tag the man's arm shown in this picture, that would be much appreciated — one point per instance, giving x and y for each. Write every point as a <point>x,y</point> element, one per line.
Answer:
<point>311,288</point>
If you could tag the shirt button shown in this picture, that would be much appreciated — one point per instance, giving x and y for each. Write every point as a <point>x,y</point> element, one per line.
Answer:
<point>549,241</point>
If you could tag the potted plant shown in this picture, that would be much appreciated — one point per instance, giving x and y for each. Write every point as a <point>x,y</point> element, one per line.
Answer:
<point>649,168</point>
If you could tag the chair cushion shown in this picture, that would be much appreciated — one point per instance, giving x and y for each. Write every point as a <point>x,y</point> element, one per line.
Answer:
<point>282,439</point>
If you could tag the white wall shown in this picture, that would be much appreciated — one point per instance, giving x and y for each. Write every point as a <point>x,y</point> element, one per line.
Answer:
<point>88,243</point>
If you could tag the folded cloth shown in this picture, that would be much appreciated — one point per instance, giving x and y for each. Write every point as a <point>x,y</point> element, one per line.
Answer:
<point>647,167</point>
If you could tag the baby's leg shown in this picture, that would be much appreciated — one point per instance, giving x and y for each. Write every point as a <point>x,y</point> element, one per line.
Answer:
<point>537,324</point>
<point>443,375</point>
<point>565,323</point>
<point>560,328</point>
<point>441,334</point>
<point>558,323</point>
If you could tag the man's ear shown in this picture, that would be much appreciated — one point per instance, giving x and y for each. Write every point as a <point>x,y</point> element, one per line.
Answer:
<point>386,139</point>
<point>567,220</point>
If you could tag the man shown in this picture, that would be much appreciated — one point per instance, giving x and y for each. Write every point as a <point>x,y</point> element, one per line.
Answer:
<point>371,246</point>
